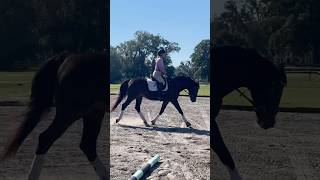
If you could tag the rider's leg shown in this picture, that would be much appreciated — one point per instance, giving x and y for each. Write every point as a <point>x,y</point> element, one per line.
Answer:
<point>159,78</point>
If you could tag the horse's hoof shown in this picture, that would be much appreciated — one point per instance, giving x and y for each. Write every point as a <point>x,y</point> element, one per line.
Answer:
<point>188,124</point>
<point>117,120</point>
<point>146,124</point>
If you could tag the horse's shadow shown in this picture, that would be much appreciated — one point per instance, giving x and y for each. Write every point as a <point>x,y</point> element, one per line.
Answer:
<point>170,129</point>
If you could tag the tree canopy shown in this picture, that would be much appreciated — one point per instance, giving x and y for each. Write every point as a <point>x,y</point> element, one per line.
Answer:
<point>286,30</point>
<point>135,58</point>
<point>33,30</point>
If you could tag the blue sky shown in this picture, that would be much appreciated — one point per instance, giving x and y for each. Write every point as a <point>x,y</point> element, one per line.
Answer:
<point>186,22</point>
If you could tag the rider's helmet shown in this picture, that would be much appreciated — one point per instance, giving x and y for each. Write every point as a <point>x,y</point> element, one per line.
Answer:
<point>161,51</point>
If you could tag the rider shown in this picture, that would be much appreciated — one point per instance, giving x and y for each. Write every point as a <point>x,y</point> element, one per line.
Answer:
<point>159,69</point>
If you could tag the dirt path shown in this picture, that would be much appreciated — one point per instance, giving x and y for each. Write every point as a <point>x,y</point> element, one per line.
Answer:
<point>184,152</point>
<point>64,161</point>
<point>288,152</point>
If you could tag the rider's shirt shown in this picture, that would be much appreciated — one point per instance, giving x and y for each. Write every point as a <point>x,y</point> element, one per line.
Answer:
<point>159,66</point>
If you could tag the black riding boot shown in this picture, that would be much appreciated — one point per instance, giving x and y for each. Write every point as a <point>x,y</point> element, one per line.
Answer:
<point>159,92</point>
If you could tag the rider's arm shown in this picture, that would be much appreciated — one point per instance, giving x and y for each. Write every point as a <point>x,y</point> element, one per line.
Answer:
<point>162,69</point>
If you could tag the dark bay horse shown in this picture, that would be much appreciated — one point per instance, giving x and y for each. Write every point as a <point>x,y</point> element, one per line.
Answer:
<point>135,89</point>
<point>77,85</point>
<point>235,67</point>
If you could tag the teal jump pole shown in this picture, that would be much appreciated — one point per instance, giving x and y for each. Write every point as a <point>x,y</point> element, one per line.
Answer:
<point>139,174</point>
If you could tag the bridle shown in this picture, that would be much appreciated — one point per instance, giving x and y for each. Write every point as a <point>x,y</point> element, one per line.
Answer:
<point>245,96</point>
<point>282,83</point>
<point>240,92</point>
<point>249,99</point>
<point>256,108</point>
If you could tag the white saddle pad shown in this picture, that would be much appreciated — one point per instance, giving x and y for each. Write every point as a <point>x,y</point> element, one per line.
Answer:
<point>152,85</point>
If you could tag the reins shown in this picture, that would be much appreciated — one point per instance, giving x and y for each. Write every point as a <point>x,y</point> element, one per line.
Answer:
<point>186,92</point>
<point>245,96</point>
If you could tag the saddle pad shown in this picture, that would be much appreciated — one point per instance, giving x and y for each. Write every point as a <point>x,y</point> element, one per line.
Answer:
<point>152,85</point>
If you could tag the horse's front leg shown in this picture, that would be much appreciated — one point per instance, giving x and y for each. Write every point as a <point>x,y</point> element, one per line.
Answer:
<point>137,107</point>
<point>163,107</point>
<point>218,145</point>
<point>177,106</point>
<point>223,153</point>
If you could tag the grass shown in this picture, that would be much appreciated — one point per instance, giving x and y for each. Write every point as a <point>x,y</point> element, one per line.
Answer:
<point>15,86</point>
<point>300,91</point>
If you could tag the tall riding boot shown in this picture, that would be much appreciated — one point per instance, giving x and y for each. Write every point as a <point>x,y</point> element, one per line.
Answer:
<point>159,93</point>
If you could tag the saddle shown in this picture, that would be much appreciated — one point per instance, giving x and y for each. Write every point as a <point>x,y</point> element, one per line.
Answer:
<point>154,85</point>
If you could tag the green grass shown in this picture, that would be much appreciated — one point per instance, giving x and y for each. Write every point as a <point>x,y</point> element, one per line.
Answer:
<point>114,88</point>
<point>300,91</point>
<point>15,86</point>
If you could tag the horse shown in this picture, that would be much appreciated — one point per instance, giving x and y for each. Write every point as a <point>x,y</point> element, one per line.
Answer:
<point>136,89</point>
<point>76,84</point>
<point>235,67</point>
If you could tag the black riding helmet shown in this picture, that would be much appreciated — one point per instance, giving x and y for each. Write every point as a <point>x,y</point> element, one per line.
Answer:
<point>161,51</point>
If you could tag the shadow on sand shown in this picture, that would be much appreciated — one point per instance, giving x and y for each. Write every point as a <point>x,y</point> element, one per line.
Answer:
<point>170,129</point>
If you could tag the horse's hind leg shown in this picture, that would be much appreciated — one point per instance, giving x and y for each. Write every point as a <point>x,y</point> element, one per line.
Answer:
<point>91,129</point>
<point>124,106</point>
<point>137,107</point>
<point>59,125</point>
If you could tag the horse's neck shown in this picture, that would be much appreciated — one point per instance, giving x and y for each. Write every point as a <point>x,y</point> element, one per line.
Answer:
<point>181,84</point>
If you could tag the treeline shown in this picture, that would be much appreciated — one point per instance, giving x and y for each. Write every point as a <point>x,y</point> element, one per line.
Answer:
<point>33,30</point>
<point>288,31</point>
<point>136,58</point>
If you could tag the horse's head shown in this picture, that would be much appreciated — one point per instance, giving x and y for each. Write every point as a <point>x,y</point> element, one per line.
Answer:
<point>193,90</point>
<point>267,99</point>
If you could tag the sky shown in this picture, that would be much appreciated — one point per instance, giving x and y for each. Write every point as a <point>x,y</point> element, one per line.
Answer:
<point>185,22</point>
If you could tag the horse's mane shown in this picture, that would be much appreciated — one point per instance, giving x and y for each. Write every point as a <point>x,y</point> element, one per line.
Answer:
<point>182,77</point>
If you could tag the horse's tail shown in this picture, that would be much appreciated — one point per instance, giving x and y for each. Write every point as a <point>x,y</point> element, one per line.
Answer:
<point>41,99</point>
<point>122,94</point>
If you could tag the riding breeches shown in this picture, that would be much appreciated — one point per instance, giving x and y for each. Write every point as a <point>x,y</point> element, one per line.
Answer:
<point>158,76</point>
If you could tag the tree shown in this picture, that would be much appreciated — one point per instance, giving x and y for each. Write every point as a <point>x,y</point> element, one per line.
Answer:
<point>31,31</point>
<point>72,25</point>
<point>286,30</point>
<point>115,66</point>
<point>200,60</point>
<point>139,54</point>
<point>185,69</point>
<point>16,33</point>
